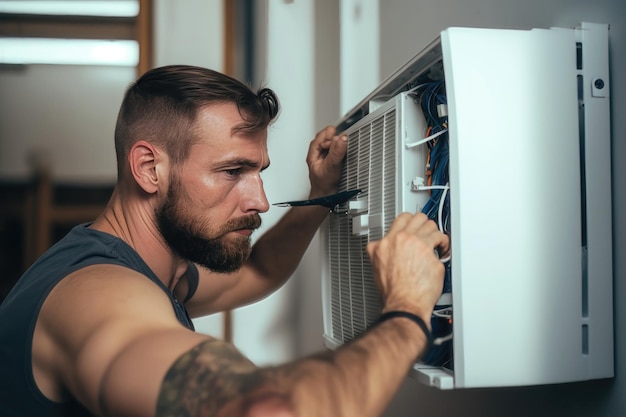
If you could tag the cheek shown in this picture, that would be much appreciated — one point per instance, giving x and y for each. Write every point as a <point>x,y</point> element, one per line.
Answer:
<point>218,201</point>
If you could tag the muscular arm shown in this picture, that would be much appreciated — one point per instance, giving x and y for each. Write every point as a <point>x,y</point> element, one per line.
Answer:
<point>357,379</point>
<point>125,354</point>
<point>213,379</point>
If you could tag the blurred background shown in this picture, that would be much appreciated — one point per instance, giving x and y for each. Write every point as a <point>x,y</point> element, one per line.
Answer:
<point>65,65</point>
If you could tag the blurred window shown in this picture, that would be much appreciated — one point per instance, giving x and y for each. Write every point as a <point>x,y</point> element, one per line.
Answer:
<point>71,32</point>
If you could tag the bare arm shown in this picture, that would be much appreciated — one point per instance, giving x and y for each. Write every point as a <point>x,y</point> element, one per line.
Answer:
<point>109,338</point>
<point>278,252</point>
<point>201,376</point>
<point>359,379</point>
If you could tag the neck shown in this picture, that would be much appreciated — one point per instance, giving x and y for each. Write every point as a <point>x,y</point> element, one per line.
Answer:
<point>132,219</point>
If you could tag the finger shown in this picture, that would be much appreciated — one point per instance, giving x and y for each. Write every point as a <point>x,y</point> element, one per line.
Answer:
<point>400,223</point>
<point>420,222</point>
<point>420,225</point>
<point>444,248</point>
<point>324,136</point>
<point>320,144</point>
<point>338,148</point>
<point>437,240</point>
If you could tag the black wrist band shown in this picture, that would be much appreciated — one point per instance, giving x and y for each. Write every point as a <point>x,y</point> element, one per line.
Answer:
<point>416,319</point>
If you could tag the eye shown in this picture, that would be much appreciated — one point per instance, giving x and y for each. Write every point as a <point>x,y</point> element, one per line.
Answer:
<point>233,172</point>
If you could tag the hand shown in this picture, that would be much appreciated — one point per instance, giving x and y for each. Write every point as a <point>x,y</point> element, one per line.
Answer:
<point>407,270</point>
<point>325,158</point>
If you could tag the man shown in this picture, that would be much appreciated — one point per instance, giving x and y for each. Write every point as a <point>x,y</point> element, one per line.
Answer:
<point>100,324</point>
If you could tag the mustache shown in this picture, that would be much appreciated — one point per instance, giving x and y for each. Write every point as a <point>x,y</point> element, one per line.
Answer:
<point>248,222</point>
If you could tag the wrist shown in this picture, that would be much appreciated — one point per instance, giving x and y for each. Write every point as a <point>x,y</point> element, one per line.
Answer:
<point>314,193</point>
<point>423,325</point>
<point>423,313</point>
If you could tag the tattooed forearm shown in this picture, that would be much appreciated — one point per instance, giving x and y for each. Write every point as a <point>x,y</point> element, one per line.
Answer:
<point>214,379</point>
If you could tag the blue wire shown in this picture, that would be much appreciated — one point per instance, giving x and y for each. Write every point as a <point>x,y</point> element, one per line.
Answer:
<point>433,94</point>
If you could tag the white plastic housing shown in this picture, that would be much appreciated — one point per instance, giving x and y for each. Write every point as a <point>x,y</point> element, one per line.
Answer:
<point>529,136</point>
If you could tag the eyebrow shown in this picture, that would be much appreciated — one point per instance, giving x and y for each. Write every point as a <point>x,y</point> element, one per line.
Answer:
<point>241,162</point>
<point>239,128</point>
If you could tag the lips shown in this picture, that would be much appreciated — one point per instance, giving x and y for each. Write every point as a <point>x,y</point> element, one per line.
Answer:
<point>244,225</point>
<point>246,232</point>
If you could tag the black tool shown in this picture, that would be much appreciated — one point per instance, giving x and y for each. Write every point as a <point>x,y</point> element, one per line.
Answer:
<point>330,201</point>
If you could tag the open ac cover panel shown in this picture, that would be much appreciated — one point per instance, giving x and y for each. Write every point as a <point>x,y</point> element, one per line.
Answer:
<point>503,138</point>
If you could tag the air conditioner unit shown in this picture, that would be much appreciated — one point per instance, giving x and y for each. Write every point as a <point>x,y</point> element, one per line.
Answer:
<point>525,196</point>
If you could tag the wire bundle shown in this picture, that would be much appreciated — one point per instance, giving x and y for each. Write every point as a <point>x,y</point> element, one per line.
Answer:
<point>432,99</point>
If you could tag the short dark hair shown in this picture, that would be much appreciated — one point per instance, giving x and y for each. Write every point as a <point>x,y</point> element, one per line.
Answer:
<point>161,107</point>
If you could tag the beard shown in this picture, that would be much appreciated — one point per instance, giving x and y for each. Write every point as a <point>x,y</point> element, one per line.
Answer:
<point>186,235</point>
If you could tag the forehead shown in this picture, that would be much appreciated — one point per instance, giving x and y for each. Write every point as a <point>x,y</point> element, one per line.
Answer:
<point>216,129</point>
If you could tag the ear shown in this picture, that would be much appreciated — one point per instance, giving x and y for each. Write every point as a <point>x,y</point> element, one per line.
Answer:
<point>144,159</point>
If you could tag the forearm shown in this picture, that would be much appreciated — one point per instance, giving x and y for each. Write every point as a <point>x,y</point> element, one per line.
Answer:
<point>357,379</point>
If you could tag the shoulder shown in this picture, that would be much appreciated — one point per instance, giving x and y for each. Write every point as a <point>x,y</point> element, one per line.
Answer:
<point>91,315</point>
<point>90,319</point>
<point>102,293</point>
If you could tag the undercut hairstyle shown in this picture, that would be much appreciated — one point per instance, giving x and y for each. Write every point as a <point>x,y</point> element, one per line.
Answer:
<point>162,105</point>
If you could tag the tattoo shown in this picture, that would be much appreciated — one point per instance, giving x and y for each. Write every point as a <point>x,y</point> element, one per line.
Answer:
<point>214,379</point>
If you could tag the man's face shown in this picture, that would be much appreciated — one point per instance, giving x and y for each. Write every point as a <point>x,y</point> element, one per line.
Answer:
<point>213,201</point>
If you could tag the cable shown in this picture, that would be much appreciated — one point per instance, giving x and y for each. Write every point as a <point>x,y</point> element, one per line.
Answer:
<point>432,187</point>
<point>425,140</point>
<point>444,313</point>
<point>440,217</point>
<point>432,100</point>
<point>440,340</point>
<point>441,205</point>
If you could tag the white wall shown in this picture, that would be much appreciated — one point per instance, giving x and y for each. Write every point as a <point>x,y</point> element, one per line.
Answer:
<point>189,32</point>
<point>360,55</point>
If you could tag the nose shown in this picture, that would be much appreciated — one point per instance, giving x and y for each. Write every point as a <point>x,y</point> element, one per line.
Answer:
<point>254,198</point>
